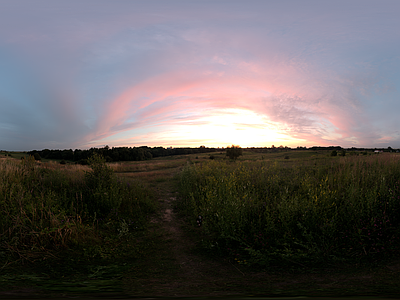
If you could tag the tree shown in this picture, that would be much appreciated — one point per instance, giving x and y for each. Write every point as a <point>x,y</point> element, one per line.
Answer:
<point>234,152</point>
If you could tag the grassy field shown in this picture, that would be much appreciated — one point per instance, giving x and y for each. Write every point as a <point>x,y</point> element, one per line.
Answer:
<point>308,210</point>
<point>68,220</point>
<point>88,228</point>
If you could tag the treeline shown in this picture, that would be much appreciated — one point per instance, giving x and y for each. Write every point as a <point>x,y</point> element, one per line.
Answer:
<point>117,153</point>
<point>317,148</point>
<point>338,148</point>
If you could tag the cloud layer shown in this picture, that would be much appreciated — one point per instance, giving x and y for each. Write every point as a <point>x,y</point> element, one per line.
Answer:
<point>87,73</point>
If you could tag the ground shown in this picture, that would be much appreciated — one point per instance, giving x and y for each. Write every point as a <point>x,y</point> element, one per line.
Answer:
<point>173,264</point>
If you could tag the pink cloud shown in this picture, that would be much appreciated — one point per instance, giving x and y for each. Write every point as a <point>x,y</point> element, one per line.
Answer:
<point>165,98</point>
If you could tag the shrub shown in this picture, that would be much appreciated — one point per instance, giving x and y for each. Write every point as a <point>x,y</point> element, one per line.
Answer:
<point>234,152</point>
<point>334,153</point>
<point>83,162</point>
<point>100,183</point>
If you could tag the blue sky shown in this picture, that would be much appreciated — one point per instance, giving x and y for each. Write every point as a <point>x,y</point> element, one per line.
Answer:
<point>79,74</point>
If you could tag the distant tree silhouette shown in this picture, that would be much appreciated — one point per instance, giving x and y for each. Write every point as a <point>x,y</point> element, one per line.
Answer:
<point>234,152</point>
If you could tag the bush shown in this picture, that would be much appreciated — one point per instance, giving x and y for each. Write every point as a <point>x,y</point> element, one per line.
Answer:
<point>37,157</point>
<point>100,183</point>
<point>234,152</point>
<point>334,153</point>
<point>83,162</point>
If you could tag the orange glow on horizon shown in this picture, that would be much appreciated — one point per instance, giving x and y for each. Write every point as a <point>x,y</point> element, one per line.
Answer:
<point>231,126</point>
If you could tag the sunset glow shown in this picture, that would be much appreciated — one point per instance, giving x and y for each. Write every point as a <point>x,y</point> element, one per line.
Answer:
<point>239,127</point>
<point>189,73</point>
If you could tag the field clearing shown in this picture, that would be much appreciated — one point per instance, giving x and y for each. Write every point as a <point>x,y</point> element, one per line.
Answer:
<point>151,165</point>
<point>265,215</point>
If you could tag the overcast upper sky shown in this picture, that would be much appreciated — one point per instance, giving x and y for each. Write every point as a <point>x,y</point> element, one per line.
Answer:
<point>88,73</point>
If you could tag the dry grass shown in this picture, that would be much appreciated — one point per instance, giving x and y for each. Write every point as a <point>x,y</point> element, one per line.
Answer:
<point>155,175</point>
<point>145,167</point>
<point>52,165</point>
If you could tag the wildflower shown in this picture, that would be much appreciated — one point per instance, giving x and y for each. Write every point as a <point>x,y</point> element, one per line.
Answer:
<point>199,220</point>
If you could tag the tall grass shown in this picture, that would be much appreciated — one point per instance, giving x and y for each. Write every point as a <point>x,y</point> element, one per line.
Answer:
<point>45,209</point>
<point>267,213</point>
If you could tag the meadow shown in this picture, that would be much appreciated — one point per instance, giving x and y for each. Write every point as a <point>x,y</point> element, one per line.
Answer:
<point>305,211</point>
<point>63,220</point>
<point>289,209</point>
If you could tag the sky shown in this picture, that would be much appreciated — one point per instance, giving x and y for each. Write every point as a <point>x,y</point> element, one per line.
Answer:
<point>78,74</point>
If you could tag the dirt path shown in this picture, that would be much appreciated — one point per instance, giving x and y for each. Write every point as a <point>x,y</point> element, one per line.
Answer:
<point>192,273</point>
<point>198,276</point>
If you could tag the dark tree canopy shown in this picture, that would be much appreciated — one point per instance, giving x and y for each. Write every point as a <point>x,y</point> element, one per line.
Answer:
<point>117,153</point>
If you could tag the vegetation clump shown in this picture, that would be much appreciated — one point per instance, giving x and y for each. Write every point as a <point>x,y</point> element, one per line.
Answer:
<point>234,152</point>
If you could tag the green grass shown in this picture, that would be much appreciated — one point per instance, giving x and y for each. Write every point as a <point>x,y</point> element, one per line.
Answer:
<point>12,154</point>
<point>20,155</point>
<point>282,212</point>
